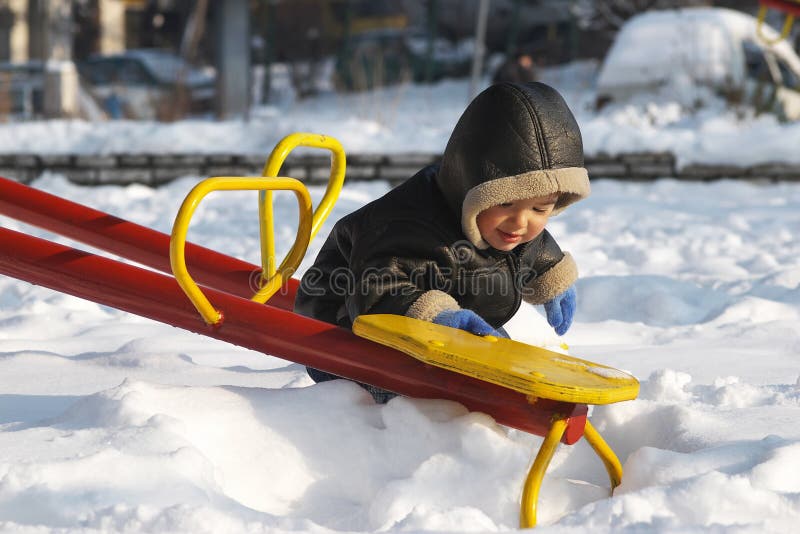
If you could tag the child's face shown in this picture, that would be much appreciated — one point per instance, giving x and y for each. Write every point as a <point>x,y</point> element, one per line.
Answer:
<point>513,223</point>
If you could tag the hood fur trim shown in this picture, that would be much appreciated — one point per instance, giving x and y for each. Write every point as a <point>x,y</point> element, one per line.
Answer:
<point>572,184</point>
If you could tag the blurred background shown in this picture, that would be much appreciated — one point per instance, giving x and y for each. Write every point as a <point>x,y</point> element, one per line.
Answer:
<point>167,60</point>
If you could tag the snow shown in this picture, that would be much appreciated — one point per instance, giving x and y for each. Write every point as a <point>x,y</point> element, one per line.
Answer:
<point>111,422</point>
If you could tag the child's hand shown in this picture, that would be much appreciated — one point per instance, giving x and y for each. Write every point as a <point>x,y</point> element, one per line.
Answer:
<point>560,311</point>
<point>465,320</point>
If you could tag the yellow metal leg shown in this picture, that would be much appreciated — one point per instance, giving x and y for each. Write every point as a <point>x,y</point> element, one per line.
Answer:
<point>605,453</point>
<point>530,493</point>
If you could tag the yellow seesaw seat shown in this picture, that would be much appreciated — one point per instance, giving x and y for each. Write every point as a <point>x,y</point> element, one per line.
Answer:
<point>537,372</point>
<point>531,370</point>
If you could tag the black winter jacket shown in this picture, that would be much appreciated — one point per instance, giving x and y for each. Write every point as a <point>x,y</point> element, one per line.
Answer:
<point>417,251</point>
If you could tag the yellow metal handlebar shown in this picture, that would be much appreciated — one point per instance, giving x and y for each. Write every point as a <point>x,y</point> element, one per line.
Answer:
<point>310,222</point>
<point>177,243</point>
<point>273,166</point>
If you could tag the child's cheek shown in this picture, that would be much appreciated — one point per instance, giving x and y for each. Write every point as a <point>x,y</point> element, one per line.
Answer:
<point>538,227</point>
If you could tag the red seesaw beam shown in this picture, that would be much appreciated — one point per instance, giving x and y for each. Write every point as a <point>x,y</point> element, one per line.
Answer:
<point>272,331</point>
<point>132,241</point>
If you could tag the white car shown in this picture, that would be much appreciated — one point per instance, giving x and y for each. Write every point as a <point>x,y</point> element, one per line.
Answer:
<point>686,53</point>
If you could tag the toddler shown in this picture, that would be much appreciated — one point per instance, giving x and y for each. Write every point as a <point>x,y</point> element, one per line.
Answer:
<point>463,243</point>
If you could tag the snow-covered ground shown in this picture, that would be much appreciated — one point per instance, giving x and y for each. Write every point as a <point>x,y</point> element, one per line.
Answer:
<point>419,118</point>
<point>111,422</point>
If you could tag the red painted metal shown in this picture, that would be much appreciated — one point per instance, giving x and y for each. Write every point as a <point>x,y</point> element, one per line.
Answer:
<point>270,330</point>
<point>787,6</point>
<point>132,241</point>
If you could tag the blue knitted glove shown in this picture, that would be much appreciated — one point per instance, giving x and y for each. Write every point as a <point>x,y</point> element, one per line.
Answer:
<point>465,320</point>
<point>560,311</point>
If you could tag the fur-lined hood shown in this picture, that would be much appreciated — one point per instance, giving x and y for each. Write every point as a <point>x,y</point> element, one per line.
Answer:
<point>513,141</point>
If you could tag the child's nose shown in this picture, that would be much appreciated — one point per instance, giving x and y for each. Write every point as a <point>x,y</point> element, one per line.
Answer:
<point>518,218</point>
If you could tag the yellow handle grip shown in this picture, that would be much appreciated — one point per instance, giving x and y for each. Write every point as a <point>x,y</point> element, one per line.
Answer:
<point>273,166</point>
<point>177,244</point>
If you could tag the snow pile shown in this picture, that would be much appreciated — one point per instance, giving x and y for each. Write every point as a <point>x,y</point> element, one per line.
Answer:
<point>110,422</point>
<point>706,45</point>
<point>695,44</point>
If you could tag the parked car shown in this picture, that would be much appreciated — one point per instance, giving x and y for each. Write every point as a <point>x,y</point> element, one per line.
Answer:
<point>148,83</point>
<point>709,49</point>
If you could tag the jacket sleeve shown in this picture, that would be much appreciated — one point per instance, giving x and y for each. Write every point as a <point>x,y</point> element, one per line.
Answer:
<point>324,285</point>
<point>547,270</point>
<point>399,270</point>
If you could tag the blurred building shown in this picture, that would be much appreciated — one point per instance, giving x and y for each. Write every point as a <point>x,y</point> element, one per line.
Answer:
<point>62,29</point>
<point>295,30</point>
<point>348,44</point>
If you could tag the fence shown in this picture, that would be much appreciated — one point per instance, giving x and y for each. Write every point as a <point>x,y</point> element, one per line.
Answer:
<point>158,169</point>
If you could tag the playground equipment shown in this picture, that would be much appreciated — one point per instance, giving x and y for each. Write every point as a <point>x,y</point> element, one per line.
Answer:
<point>790,7</point>
<point>529,388</point>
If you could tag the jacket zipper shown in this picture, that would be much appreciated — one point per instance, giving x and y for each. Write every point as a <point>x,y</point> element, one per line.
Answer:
<point>515,265</point>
